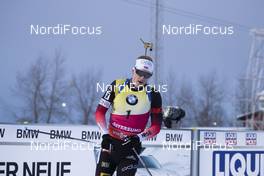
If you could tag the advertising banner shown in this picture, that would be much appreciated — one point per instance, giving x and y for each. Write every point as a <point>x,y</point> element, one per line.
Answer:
<point>41,150</point>
<point>231,153</point>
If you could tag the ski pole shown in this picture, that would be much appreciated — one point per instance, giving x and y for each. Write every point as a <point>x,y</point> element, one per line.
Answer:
<point>57,135</point>
<point>141,160</point>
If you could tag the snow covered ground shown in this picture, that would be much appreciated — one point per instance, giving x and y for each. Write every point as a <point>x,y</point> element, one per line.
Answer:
<point>176,162</point>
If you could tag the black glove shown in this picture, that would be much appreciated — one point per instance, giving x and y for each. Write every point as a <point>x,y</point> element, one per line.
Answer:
<point>106,141</point>
<point>131,142</point>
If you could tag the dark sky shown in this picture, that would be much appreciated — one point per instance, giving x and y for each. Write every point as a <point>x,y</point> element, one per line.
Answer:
<point>123,23</point>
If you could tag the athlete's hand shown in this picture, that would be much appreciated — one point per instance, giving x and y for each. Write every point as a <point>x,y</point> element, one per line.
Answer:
<point>106,141</point>
<point>131,142</point>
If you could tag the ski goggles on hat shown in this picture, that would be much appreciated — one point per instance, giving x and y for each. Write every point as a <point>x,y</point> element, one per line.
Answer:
<point>141,73</point>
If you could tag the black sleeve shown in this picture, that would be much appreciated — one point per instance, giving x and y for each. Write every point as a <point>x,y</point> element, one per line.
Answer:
<point>156,108</point>
<point>156,101</point>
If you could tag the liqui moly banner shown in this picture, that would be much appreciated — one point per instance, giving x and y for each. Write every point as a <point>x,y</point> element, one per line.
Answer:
<point>231,153</point>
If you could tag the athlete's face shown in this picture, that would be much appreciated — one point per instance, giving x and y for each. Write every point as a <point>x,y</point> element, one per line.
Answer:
<point>140,77</point>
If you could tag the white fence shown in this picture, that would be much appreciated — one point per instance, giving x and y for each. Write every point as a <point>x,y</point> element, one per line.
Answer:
<point>25,152</point>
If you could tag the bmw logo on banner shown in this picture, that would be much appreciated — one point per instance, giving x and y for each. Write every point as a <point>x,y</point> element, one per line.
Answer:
<point>132,99</point>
